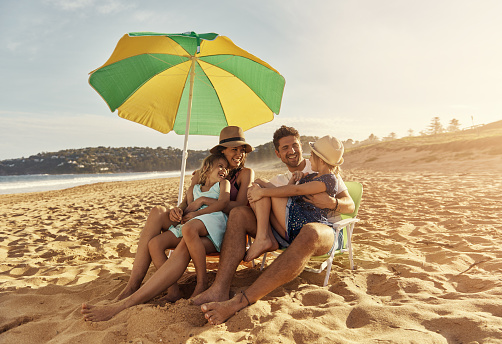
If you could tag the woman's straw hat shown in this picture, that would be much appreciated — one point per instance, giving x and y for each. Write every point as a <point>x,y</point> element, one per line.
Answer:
<point>232,136</point>
<point>329,149</point>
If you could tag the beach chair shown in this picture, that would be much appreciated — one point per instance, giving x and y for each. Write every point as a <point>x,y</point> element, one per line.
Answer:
<point>344,229</point>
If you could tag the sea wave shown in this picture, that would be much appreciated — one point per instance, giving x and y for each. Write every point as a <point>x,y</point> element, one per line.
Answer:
<point>46,182</point>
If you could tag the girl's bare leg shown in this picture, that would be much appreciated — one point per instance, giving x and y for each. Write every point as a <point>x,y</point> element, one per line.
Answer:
<point>163,278</point>
<point>264,241</point>
<point>158,219</point>
<point>158,245</point>
<point>194,232</point>
<point>278,215</point>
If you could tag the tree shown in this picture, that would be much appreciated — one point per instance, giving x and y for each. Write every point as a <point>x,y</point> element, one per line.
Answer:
<point>435,127</point>
<point>373,138</point>
<point>410,132</point>
<point>453,126</point>
<point>348,143</point>
<point>392,136</point>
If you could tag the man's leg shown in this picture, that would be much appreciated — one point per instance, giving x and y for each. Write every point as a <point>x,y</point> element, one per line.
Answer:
<point>313,239</point>
<point>241,221</point>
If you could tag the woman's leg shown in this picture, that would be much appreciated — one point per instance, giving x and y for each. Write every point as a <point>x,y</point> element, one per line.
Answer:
<point>264,241</point>
<point>157,220</point>
<point>163,278</point>
<point>194,232</point>
<point>157,247</point>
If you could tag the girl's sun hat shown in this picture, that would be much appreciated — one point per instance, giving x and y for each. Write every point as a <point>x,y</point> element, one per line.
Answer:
<point>232,136</point>
<point>329,149</point>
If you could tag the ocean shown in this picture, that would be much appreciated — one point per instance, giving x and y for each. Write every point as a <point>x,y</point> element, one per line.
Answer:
<point>46,182</point>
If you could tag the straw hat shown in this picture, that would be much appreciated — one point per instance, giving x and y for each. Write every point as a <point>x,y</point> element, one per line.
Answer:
<point>232,136</point>
<point>329,149</point>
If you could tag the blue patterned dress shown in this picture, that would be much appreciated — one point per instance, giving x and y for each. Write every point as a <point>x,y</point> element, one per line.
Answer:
<point>299,212</point>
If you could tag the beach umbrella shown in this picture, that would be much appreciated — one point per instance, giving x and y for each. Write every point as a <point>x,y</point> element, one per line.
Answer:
<point>194,84</point>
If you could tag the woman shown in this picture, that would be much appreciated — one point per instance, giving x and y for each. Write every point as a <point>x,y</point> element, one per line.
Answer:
<point>233,146</point>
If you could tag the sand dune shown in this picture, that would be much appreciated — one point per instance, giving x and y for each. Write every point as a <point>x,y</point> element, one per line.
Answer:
<point>427,254</point>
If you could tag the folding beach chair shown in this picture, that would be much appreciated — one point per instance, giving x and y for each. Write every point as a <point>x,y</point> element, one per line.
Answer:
<point>344,229</point>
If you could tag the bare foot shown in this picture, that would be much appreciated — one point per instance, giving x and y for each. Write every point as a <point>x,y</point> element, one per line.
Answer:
<point>100,313</point>
<point>199,288</point>
<point>128,291</point>
<point>260,246</point>
<point>211,295</point>
<point>219,312</point>
<point>173,295</point>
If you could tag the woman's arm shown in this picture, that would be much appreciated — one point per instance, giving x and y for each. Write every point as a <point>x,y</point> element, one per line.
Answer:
<point>218,204</point>
<point>244,181</point>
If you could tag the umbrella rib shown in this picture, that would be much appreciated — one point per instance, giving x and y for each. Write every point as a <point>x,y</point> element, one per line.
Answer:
<point>216,65</point>
<point>172,66</point>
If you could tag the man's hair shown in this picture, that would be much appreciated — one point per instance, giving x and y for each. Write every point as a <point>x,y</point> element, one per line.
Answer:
<point>284,131</point>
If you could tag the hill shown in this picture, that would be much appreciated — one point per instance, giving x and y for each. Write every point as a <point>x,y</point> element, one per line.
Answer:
<point>476,149</point>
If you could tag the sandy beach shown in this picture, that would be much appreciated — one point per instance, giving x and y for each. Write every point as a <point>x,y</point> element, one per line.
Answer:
<point>427,254</point>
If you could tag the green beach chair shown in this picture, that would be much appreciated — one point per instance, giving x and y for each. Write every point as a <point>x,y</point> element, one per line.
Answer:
<point>344,229</point>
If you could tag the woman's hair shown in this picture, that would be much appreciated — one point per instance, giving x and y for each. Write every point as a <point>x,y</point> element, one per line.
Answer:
<point>207,165</point>
<point>232,172</point>
<point>333,169</point>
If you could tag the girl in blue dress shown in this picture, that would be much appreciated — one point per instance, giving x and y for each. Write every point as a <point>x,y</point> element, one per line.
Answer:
<point>284,207</point>
<point>201,230</point>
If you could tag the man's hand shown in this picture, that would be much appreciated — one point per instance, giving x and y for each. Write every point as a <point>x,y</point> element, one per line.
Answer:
<point>176,214</point>
<point>254,193</point>
<point>321,200</point>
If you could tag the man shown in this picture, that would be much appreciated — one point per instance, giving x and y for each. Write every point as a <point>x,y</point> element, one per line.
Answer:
<point>313,239</point>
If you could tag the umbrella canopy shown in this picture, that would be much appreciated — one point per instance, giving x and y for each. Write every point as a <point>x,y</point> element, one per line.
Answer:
<point>194,84</point>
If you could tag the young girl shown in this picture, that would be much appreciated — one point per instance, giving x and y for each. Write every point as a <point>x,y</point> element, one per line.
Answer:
<point>284,207</point>
<point>202,232</point>
<point>202,229</point>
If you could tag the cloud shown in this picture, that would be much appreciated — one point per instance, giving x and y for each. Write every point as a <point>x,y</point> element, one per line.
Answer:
<point>70,5</point>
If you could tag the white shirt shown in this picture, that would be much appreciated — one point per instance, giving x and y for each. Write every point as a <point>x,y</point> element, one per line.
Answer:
<point>283,179</point>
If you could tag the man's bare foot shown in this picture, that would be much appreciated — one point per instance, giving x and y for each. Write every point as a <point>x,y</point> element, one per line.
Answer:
<point>101,313</point>
<point>210,295</point>
<point>260,246</point>
<point>219,312</point>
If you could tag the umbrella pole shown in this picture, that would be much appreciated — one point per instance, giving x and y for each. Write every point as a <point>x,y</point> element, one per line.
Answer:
<point>187,131</point>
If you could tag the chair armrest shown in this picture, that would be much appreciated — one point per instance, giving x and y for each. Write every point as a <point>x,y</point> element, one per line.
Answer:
<point>343,223</point>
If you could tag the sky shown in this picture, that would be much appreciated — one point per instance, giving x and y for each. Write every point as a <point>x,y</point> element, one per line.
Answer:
<point>352,68</point>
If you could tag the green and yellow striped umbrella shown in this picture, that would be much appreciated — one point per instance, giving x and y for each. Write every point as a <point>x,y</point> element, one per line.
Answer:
<point>192,84</point>
<point>148,80</point>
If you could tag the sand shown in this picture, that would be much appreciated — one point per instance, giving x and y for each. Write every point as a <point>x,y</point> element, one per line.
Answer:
<point>427,253</point>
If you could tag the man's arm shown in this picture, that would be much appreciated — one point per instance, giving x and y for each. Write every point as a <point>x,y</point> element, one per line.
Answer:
<point>322,200</point>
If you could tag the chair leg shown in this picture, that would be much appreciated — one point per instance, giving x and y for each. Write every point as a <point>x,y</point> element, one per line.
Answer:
<point>330,259</point>
<point>350,228</point>
<point>263,261</point>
